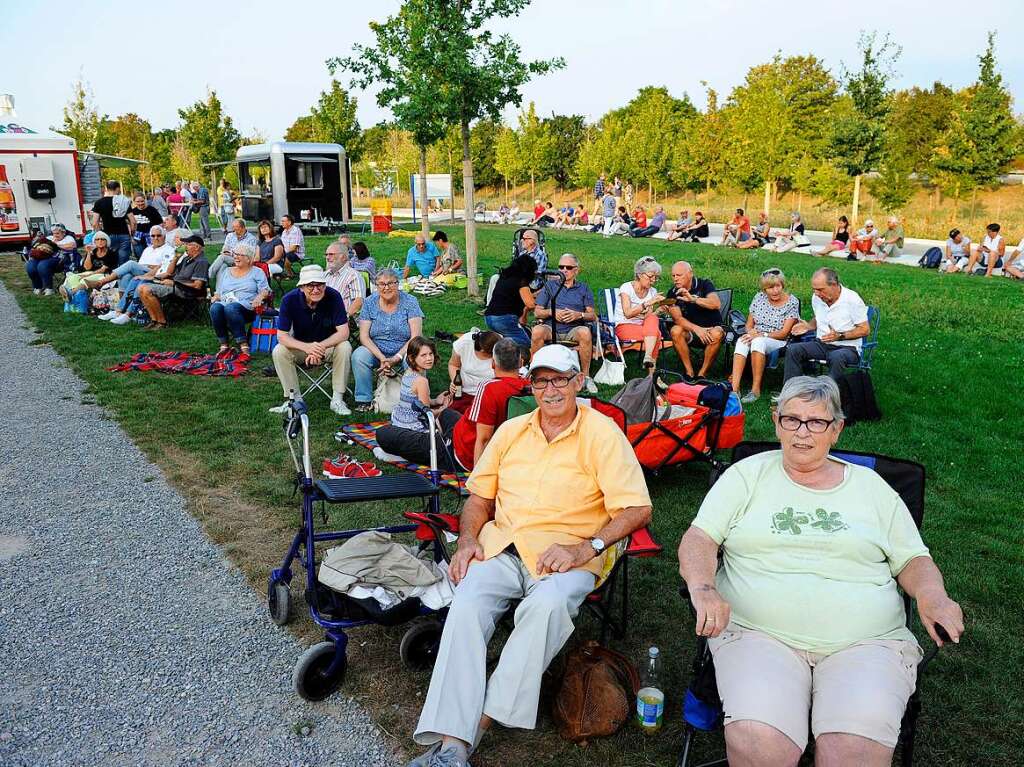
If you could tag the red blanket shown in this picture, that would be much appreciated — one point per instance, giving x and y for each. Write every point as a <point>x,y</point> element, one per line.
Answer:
<point>227,363</point>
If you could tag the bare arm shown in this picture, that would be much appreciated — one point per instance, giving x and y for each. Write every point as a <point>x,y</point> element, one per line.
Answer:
<point>921,579</point>
<point>698,561</point>
<point>454,365</point>
<point>559,559</point>
<point>475,514</point>
<point>527,295</point>
<point>483,436</point>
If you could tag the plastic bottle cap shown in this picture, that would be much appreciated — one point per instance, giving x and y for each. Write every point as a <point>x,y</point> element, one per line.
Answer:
<point>654,652</point>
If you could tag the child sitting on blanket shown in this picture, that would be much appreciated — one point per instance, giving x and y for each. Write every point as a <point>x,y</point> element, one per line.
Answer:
<point>407,436</point>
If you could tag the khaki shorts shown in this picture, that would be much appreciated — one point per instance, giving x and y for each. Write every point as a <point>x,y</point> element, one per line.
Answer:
<point>862,690</point>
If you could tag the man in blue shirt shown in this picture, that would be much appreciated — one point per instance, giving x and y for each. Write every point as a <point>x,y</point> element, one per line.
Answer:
<point>423,255</point>
<point>312,329</point>
<point>574,311</point>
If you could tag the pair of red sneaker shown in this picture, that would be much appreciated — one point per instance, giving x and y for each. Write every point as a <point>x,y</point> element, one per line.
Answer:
<point>347,467</point>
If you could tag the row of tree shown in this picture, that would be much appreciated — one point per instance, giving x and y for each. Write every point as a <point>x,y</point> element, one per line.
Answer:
<point>206,135</point>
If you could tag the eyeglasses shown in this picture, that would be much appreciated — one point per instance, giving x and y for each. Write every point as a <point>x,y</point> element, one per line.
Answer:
<point>388,284</point>
<point>814,425</point>
<point>315,285</point>
<point>566,267</point>
<point>559,382</point>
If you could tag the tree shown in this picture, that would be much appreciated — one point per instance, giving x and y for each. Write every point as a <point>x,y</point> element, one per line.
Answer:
<point>508,161</point>
<point>81,121</point>
<point>335,122</point>
<point>775,117</point>
<point>131,136</point>
<point>473,74</point>
<point>654,122</point>
<point>565,134</point>
<point>533,144</point>
<point>917,119</point>
<point>954,160</point>
<point>483,139</point>
<point>858,135</point>
<point>704,153</point>
<point>301,130</point>
<point>988,121</point>
<point>207,133</point>
<point>401,64</point>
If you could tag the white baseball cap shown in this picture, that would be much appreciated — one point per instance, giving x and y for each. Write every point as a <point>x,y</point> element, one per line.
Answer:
<point>556,357</point>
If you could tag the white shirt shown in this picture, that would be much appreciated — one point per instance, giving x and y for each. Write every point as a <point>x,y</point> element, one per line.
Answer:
<point>67,242</point>
<point>992,243</point>
<point>627,288</point>
<point>160,257</point>
<point>174,236</point>
<point>959,249</point>
<point>475,371</point>
<point>848,311</point>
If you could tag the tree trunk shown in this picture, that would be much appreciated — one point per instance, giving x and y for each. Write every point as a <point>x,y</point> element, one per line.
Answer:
<point>506,191</point>
<point>533,186</point>
<point>424,204</point>
<point>358,194</point>
<point>974,204</point>
<point>451,174</point>
<point>767,197</point>
<point>650,193</point>
<point>467,195</point>
<point>856,200</point>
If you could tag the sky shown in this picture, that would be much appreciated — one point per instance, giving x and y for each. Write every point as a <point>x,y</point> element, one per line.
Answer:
<point>266,59</point>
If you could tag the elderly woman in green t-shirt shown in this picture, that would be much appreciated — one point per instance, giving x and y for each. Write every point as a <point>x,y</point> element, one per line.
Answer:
<point>805,605</point>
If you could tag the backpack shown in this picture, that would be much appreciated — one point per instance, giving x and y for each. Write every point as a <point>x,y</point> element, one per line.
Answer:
<point>637,399</point>
<point>931,258</point>
<point>857,396</point>
<point>597,695</point>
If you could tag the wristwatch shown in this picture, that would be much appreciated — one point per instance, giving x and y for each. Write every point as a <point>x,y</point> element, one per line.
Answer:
<point>598,545</point>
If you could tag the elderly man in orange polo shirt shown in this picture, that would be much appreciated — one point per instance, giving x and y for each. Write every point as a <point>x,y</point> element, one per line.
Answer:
<point>552,492</point>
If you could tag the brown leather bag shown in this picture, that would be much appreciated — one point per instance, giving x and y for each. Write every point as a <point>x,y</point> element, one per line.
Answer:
<point>598,693</point>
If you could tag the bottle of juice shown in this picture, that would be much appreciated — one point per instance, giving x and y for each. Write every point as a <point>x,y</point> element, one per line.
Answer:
<point>650,700</point>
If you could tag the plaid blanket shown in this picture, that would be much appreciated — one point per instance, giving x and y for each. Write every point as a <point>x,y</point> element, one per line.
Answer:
<point>227,363</point>
<point>363,434</point>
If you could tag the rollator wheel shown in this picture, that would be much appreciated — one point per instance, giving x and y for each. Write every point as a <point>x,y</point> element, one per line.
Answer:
<point>279,598</point>
<point>312,678</point>
<point>419,645</point>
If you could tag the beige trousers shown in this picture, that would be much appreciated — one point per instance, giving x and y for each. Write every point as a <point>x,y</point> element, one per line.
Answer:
<point>459,690</point>
<point>286,359</point>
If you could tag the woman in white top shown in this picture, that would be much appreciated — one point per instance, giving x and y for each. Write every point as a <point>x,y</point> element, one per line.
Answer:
<point>636,317</point>
<point>990,253</point>
<point>790,238</point>
<point>472,353</point>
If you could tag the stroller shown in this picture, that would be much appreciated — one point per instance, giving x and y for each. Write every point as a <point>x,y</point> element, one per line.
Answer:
<point>321,669</point>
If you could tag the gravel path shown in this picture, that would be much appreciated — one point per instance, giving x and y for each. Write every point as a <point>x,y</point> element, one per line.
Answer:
<point>126,636</point>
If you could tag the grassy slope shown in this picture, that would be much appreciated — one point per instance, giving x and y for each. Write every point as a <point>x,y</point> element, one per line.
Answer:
<point>946,372</point>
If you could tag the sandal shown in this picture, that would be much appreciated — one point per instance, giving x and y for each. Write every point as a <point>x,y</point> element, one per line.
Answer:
<point>223,348</point>
<point>243,349</point>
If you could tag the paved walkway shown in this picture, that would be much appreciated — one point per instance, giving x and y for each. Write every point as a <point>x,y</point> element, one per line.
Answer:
<point>127,638</point>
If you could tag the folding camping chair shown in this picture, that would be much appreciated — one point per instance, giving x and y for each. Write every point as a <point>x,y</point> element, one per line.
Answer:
<point>607,323</point>
<point>315,378</point>
<point>702,707</point>
<point>601,602</point>
<point>867,348</point>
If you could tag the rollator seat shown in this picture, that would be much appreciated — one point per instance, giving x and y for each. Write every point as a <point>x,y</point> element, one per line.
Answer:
<point>375,488</point>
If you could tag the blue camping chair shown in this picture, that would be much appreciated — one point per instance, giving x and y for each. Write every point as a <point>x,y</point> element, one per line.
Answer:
<point>867,348</point>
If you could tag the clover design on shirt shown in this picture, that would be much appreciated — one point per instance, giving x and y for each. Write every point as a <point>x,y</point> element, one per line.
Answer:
<point>828,522</point>
<point>788,521</point>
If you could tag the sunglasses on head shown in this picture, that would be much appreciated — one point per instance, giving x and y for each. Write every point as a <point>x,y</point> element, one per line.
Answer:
<point>771,272</point>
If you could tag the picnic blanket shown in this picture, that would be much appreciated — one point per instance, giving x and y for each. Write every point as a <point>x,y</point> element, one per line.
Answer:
<point>364,435</point>
<point>230,362</point>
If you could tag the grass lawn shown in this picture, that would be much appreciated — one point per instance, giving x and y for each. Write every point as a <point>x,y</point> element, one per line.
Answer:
<point>950,348</point>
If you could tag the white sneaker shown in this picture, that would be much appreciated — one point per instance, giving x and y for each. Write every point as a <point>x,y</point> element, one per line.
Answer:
<point>48,292</point>
<point>107,315</point>
<point>37,291</point>
<point>338,406</point>
<point>120,319</point>
<point>383,455</point>
<point>589,385</point>
<point>280,409</point>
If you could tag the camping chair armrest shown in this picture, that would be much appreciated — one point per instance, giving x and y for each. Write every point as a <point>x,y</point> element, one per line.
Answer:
<point>642,544</point>
<point>930,655</point>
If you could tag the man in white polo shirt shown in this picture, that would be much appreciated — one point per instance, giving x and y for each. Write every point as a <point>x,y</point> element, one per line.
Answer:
<point>840,322</point>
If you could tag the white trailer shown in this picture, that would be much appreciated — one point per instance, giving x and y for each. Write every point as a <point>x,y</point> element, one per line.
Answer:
<point>39,183</point>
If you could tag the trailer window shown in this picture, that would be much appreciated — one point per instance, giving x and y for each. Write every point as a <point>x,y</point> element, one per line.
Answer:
<point>304,175</point>
<point>254,177</point>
